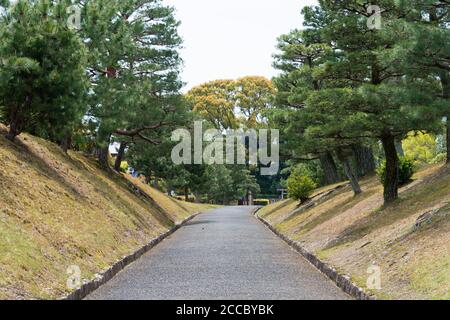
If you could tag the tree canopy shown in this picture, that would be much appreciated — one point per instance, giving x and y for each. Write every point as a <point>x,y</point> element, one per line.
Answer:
<point>346,95</point>
<point>344,83</point>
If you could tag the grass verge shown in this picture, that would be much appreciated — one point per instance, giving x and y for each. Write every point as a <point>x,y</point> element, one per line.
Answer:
<point>353,233</point>
<point>59,210</point>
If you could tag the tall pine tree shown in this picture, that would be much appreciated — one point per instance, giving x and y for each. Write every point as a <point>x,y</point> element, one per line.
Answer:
<point>134,67</point>
<point>42,69</point>
<point>381,100</point>
<point>427,49</point>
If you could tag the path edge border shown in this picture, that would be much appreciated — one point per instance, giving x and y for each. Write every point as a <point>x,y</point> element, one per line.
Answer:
<point>89,287</point>
<point>343,282</point>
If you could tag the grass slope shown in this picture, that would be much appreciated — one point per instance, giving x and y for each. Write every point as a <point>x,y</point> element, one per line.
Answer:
<point>351,233</point>
<point>59,210</point>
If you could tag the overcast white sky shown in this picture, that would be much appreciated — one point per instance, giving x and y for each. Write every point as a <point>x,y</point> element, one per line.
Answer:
<point>227,39</point>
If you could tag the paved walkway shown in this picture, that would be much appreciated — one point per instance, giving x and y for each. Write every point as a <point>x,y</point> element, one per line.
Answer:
<point>224,254</point>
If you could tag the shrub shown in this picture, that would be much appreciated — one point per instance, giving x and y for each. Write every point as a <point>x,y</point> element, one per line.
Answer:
<point>300,187</point>
<point>124,166</point>
<point>261,202</point>
<point>406,171</point>
<point>440,158</point>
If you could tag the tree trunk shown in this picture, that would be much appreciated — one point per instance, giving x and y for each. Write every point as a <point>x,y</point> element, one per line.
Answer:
<point>445,80</point>
<point>65,144</point>
<point>13,131</point>
<point>103,154</point>
<point>197,198</point>
<point>365,161</point>
<point>448,139</point>
<point>392,171</point>
<point>345,160</point>
<point>120,155</point>
<point>399,147</point>
<point>186,194</point>
<point>329,168</point>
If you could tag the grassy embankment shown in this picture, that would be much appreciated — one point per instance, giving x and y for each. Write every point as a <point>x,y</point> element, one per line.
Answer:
<point>351,233</point>
<point>59,210</point>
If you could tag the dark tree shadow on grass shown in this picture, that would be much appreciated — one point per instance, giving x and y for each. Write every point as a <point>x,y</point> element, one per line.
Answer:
<point>336,211</point>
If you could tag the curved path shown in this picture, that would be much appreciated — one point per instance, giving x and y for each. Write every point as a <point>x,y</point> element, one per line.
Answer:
<point>223,254</point>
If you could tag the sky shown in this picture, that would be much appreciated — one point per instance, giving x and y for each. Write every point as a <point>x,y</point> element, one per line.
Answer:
<point>228,39</point>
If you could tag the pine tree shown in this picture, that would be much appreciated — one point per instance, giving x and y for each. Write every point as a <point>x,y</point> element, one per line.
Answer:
<point>134,68</point>
<point>427,49</point>
<point>302,53</point>
<point>42,74</point>
<point>380,100</point>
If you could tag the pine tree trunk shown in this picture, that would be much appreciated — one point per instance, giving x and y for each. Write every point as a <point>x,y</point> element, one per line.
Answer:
<point>198,197</point>
<point>13,131</point>
<point>445,80</point>
<point>103,154</point>
<point>186,194</point>
<point>329,168</point>
<point>365,161</point>
<point>399,147</point>
<point>65,144</point>
<point>448,139</point>
<point>352,177</point>
<point>392,169</point>
<point>120,155</point>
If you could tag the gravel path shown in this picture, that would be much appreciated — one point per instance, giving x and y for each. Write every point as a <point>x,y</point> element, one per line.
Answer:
<point>224,254</point>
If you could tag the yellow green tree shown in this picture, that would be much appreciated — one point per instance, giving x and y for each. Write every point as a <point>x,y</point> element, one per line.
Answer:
<point>420,147</point>
<point>214,102</point>
<point>254,96</point>
<point>230,104</point>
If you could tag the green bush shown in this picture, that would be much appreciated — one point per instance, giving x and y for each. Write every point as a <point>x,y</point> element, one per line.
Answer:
<point>300,187</point>
<point>261,202</point>
<point>406,171</point>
